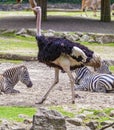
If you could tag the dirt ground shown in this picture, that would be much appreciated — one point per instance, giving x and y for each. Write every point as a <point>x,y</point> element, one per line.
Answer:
<point>42,77</point>
<point>58,23</point>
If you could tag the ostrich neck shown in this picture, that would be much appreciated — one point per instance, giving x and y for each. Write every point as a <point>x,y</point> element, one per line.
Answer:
<point>38,22</point>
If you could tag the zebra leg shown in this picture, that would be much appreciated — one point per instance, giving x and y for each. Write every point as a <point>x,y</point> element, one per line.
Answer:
<point>1,92</point>
<point>11,91</point>
<point>8,87</point>
<point>78,87</point>
<point>101,89</point>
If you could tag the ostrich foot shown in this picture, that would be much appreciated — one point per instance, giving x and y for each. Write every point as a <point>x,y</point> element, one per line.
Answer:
<point>41,101</point>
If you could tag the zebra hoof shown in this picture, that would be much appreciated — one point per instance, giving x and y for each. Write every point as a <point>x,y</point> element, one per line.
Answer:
<point>77,96</point>
<point>73,102</point>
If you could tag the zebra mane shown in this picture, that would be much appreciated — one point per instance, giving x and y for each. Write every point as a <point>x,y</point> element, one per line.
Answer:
<point>11,71</point>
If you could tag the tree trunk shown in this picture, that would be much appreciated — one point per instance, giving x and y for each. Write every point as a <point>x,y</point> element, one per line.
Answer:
<point>43,4</point>
<point>105,11</point>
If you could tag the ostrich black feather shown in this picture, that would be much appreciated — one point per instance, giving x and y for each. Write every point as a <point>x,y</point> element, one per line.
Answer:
<point>50,48</point>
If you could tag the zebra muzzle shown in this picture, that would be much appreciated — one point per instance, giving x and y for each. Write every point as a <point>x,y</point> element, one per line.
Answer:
<point>30,84</point>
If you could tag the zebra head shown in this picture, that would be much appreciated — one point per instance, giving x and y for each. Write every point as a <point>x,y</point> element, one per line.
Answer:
<point>104,68</point>
<point>24,77</point>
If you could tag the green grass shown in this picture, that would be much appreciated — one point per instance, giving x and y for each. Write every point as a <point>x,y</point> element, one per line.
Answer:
<point>111,68</point>
<point>62,111</point>
<point>15,13</point>
<point>11,61</point>
<point>102,49</point>
<point>52,13</point>
<point>10,43</point>
<point>12,113</point>
<point>95,115</point>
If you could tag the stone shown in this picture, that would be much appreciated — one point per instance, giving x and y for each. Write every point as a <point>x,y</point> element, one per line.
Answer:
<point>75,121</point>
<point>82,116</point>
<point>104,38</point>
<point>48,120</point>
<point>22,31</point>
<point>112,113</point>
<point>102,114</point>
<point>84,38</point>
<point>92,124</point>
<point>73,37</point>
<point>8,31</point>
<point>106,122</point>
<point>31,32</point>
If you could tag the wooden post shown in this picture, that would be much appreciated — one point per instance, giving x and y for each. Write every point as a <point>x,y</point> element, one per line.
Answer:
<point>105,11</point>
<point>43,4</point>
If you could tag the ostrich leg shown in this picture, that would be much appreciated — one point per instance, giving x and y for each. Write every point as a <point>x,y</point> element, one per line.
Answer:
<point>55,82</point>
<point>72,81</point>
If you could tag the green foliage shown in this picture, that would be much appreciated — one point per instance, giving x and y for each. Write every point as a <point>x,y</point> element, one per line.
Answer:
<point>12,113</point>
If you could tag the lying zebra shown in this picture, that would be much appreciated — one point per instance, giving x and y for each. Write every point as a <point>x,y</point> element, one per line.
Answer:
<point>87,80</point>
<point>104,68</point>
<point>10,78</point>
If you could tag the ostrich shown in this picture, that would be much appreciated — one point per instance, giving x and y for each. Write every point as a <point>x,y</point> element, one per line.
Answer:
<point>62,54</point>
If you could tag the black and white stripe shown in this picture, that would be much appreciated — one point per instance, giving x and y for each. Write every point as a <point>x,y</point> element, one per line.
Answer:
<point>91,81</point>
<point>11,76</point>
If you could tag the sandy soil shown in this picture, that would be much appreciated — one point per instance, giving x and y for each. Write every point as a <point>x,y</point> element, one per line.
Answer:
<point>76,24</point>
<point>42,77</point>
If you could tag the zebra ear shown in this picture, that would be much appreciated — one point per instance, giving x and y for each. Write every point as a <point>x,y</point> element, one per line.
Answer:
<point>23,68</point>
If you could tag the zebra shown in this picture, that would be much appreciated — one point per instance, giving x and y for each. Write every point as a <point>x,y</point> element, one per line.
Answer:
<point>87,80</point>
<point>10,78</point>
<point>104,68</point>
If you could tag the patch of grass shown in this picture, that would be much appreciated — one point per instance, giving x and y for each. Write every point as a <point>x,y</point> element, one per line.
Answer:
<point>97,115</point>
<point>11,43</point>
<point>111,68</point>
<point>62,111</point>
<point>53,13</point>
<point>12,113</point>
<point>16,13</point>
<point>10,61</point>
<point>101,49</point>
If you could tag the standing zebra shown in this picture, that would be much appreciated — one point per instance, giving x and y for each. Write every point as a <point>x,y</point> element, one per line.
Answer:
<point>91,81</point>
<point>10,78</point>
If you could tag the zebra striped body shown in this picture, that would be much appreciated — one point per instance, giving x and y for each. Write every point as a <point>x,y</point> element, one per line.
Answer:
<point>11,77</point>
<point>91,81</point>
